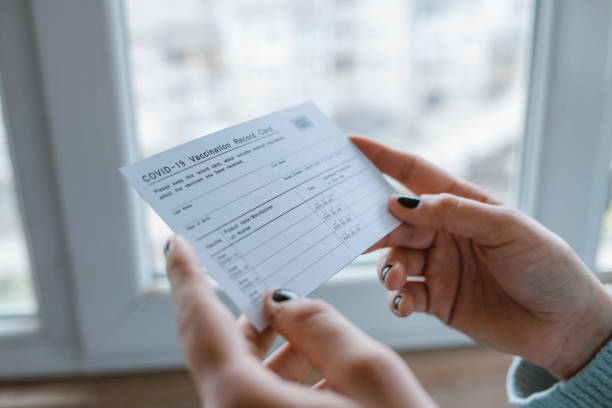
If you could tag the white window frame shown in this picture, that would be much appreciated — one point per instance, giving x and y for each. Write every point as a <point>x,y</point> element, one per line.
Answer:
<point>565,167</point>
<point>69,114</point>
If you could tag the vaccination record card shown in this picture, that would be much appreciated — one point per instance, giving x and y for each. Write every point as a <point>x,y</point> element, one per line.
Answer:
<point>284,200</point>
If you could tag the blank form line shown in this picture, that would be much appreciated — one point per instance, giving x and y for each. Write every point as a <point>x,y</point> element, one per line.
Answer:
<point>280,232</point>
<point>278,195</point>
<point>301,253</point>
<point>294,277</point>
<point>314,212</point>
<point>255,230</point>
<point>263,243</point>
<point>277,217</point>
<point>293,224</point>
<point>259,188</point>
<point>295,240</point>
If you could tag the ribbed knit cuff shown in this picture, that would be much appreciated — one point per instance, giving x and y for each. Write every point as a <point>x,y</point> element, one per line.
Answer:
<point>531,386</point>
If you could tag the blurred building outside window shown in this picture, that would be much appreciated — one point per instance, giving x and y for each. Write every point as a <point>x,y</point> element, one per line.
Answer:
<point>603,260</point>
<point>16,288</point>
<point>445,80</point>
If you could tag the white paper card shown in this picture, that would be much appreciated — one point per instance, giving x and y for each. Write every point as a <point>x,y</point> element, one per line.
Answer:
<point>285,200</point>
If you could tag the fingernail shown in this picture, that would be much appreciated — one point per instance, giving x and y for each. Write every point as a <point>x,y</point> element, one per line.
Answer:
<point>384,271</point>
<point>397,301</point>
<point>166,248</point>
<point>282,295</point>
<point>408,201</point>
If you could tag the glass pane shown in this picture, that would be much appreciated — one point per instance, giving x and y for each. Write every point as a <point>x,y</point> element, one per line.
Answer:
<point>445,80</point>
<point>16,290</point>
<point>603,261</point>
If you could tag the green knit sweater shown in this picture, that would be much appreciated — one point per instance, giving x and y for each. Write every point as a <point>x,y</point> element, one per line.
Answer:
<point>531,386</point>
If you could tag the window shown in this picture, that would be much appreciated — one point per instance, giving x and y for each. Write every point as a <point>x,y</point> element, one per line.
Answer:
<point>444,80</point>
<point>603,261</point>
<point>496,92</point>
<point>16,287</point>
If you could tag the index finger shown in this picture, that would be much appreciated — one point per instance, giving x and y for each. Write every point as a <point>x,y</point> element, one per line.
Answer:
<point>417,174</point>
<point>205,327</point>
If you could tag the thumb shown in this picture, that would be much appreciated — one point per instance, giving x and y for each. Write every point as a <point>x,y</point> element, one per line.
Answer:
<point>334,346</point>
<point>351,362</point>
<point>454,214</point>
<point>316,329</point>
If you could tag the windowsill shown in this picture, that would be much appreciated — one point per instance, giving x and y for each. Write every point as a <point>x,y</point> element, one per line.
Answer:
<point>436,370</point>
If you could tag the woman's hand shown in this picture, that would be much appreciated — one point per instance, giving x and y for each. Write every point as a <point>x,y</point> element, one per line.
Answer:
<point>491,271</point>
<point>225,358</point>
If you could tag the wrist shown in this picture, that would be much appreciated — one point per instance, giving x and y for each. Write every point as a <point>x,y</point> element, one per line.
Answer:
<point>589,332</point>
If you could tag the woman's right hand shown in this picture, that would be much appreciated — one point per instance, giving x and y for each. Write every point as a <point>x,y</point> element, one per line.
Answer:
<point>491,271</point>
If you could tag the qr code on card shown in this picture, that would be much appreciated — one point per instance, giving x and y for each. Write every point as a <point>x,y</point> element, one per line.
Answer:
<point>302,123</point>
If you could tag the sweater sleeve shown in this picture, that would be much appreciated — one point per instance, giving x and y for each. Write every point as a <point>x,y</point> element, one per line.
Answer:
<point>531,386</point>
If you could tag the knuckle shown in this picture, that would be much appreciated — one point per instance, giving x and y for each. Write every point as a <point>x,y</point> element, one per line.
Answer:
<point>408,166</point>
<point>446,205</point>
<point>191,330</point>
<point>299,313</point>
<point>417,260</point>
<point>184,327</point>
<point>408,232</point>
<point>302,314</point>
<point>188,329</point>
<point>308,311</point>
<point>511,214</point>
<point>180,267</point>
<point>447,202</point>
<point>508,216</point>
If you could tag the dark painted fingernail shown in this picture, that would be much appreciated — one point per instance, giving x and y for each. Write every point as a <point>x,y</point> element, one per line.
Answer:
<point>282,295</point>
<point>166,248</point>
<point>408,201</point>
<point>384,271</point>
<point>397,301</point>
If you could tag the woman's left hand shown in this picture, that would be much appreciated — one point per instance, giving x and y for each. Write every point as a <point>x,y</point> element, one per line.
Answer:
<point>225,357</point>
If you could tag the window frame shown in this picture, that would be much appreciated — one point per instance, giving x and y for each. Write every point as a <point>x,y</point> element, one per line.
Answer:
<point>44,343</point>
<point>68,93</point>
<point>550,171</point>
